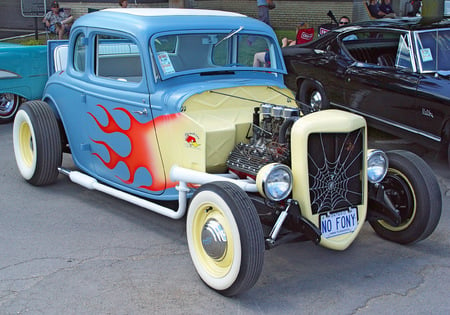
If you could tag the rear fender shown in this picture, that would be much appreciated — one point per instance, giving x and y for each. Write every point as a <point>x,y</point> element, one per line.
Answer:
<point>62,130</point>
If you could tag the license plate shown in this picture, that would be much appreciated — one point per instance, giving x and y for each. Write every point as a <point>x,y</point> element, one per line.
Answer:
<point>338,223</point>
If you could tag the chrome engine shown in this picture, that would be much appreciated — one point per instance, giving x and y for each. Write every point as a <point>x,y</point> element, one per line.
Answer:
<point>269,142</point>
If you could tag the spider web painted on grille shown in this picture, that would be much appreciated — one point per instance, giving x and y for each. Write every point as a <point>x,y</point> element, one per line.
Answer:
<point>335,164</point>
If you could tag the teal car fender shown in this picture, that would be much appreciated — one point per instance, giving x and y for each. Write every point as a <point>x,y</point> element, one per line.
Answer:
<point>23,74</point>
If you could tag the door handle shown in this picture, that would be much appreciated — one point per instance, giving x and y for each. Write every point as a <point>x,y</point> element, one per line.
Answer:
<point>141,112</point>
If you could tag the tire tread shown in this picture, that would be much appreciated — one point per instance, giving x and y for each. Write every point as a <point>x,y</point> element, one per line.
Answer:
<point>48,142</point>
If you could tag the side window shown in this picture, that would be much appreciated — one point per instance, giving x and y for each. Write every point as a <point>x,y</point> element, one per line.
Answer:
<point>117,58</point>
<point>79,54</point>
<point>403,59</point>
<point>377,47</point>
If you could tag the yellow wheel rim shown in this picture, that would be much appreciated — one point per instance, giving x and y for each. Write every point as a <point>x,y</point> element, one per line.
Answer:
<point>216,265</point>
<point>26,148</point>
<point>405,223</point>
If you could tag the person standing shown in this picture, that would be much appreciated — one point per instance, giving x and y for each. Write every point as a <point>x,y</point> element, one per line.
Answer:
<point>123,3</point>
<point>263,10</point>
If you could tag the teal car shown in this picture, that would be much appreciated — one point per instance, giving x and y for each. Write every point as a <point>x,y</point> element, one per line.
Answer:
<point>23,74</point>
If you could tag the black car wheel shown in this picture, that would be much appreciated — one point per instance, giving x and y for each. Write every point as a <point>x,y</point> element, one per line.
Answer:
<point>225,238</point>
<point>312,97</point>
<point>37,143</point>
<point>414,191</point>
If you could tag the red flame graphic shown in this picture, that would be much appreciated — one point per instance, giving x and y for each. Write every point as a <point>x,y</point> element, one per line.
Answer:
<point>144,149</point>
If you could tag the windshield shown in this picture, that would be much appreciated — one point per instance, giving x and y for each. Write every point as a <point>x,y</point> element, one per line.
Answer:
<point>434,50</point>
<point>187,53</point>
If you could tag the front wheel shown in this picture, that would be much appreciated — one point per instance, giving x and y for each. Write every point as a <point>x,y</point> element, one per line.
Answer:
<point>414,191</point>
<point>225,238</point>
<point>9,104</point>
<point>312,97</point>
<point>37,143</point>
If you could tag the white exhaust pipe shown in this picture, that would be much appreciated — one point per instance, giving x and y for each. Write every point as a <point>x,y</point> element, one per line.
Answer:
<point>177,174</point>
<point>186,175</point>
<point>92,184</point>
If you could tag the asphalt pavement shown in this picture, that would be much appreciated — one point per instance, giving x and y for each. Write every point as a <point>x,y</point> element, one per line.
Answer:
<point>67,250</point>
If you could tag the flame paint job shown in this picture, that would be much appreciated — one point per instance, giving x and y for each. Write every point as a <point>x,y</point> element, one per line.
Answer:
<point>142,152</point>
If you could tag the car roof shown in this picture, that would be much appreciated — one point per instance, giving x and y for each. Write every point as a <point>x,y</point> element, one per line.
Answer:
<point>406,23</point>
<point>139,20</point>
<point>171,12</point>
<point>400,24</point>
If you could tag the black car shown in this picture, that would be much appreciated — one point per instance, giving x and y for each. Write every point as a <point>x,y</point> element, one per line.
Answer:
<point>394,72</point>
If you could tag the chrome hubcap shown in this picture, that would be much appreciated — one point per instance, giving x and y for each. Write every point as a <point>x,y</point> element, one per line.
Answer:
<point>214,239</point>
<point>6,102</point>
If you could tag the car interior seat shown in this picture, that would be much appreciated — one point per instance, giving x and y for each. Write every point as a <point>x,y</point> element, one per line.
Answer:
<point>386,60</point>
<point>60,57</point>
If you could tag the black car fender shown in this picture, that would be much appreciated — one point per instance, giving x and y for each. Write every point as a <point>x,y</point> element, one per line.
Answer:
<point>300,81</point>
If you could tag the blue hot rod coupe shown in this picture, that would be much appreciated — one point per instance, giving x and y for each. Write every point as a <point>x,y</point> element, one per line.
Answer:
<point>160,105</point>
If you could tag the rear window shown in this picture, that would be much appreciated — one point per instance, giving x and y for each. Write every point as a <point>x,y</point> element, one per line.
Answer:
<point>117,58</point>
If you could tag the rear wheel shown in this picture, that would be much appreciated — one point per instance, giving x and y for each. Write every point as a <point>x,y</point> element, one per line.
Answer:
<point>9,104</point>
<point>414,191</point>
<point>313,97</point>
<point>37,143</point>
<point>225,238</point>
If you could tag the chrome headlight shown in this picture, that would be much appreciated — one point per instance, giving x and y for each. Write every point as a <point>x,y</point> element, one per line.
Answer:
<point>274,181</point>
<point>377,165</point>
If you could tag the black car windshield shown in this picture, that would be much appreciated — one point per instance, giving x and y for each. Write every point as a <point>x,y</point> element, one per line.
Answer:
<point>433,49</point>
